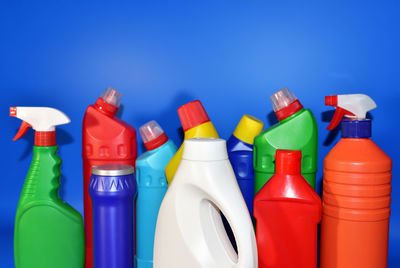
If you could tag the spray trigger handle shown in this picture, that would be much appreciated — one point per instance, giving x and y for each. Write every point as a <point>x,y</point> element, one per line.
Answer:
<point>354,106</point>
<point>22,130</point>
<point>337,117</point>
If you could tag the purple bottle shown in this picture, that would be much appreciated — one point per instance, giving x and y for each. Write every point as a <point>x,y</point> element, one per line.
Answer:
<point>112,189</point>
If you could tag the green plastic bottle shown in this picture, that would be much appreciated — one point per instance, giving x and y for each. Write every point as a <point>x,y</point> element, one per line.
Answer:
<point>48,232</point>
<point>296,130</point>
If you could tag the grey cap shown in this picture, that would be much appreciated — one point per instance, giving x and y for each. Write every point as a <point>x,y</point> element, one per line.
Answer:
<point>112,170</point>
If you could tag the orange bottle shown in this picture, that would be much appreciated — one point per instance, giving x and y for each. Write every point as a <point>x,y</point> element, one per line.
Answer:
<point>356,191</point>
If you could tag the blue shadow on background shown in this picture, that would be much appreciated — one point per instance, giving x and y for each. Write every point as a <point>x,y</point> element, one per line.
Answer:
<point>231,56</point>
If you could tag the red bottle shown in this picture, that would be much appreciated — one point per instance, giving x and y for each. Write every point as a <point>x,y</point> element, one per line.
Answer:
<point>287,212</point>
<point>105,140</point>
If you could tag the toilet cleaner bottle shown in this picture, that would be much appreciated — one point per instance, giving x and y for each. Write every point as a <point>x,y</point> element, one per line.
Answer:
<point>48,232</point>
<point>240,152</point>
<point>152,186</point>
<point>106,140</point>
<point>296,130</point>
<point>356,191</point>
<point>195,124</point>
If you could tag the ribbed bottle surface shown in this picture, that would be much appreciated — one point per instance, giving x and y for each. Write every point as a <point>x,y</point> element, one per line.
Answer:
<point>356,205</point>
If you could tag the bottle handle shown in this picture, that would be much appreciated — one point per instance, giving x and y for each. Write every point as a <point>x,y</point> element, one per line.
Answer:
<point>245,240</point>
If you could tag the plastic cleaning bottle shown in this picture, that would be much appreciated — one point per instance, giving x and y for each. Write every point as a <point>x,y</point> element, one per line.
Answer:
<point>105,140</point>
<point>48,232</point>
<point>240,152</point>
<point>196,124</point>
<point>189,231</point>
<point>112,190</point>
<point>296,130</point>
<point>152,186</point>
<point>356,191</point>
<point>287,212</point>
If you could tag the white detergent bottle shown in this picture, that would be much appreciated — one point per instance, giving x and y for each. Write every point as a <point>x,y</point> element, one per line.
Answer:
<point>190,232</point>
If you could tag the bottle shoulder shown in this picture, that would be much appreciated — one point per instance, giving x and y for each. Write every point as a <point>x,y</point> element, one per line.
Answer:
<point>357,155</point>
<point>55,207</point>
<point>204,172</point>
<point>297,130</point>
<point>206,130</point>
<point>287,187</point>
<point>157,158</point>
<point>233,144</point>
<point>97,125</point>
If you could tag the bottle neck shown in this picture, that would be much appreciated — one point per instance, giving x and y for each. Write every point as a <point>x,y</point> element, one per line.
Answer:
<point>157,142</point>
<point>106,108</point>
<point>45,138</point>
<point>359,129</point>
<point>288,162</point>
<point>289,110</point>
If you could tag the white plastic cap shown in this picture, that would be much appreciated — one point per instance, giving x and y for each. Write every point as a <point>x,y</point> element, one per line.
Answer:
<point>205,149</point>
<point>112,96</point>
<point>282,99</point>
<point>150,131</point>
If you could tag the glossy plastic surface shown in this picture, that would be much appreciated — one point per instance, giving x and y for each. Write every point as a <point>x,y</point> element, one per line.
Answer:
<point>240,152</point>
<point>152,186</point>
<point>105,140</point>
<point>356,205</point>
<point>241,158</point>
<point>205,130</point>
<point>189,231</point>
<point>112,199</point>
<point>48,232</point>
<point>297,132</point>
<point>287,212</point>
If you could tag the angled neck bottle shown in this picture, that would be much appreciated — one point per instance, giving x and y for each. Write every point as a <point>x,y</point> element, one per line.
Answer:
<point>106,139</point>
<point>152,186</point>
<point>296,130</point>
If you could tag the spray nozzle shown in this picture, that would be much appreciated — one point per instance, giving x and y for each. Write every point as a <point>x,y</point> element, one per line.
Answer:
<point>41,119</point>
<point>354,106</point>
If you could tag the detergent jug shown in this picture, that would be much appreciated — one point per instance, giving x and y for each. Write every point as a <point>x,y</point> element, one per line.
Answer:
<point>189,231</point>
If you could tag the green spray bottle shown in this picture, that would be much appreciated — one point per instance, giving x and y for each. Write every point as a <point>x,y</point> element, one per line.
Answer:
<point>48,232</point>
<point>296,130</point>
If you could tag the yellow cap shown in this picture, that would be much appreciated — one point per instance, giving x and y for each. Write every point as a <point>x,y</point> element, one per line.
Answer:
<point>248,128</point>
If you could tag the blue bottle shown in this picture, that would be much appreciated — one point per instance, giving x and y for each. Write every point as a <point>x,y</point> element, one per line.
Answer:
<point>240,152</point>
<point>152,186</point>
<point>112,189</point>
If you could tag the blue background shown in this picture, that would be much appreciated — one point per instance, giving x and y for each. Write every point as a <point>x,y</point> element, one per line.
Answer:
<point>231,56</point>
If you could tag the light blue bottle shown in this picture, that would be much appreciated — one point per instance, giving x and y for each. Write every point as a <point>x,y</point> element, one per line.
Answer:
<point>152,186</point>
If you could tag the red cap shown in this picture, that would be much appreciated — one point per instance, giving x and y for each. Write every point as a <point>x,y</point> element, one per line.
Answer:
<point>288,162</point>
<point>157,142</point>
<point>106,107</point>
<point>45,138</point>
<point>192,114</point>
<point>289,110</point>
